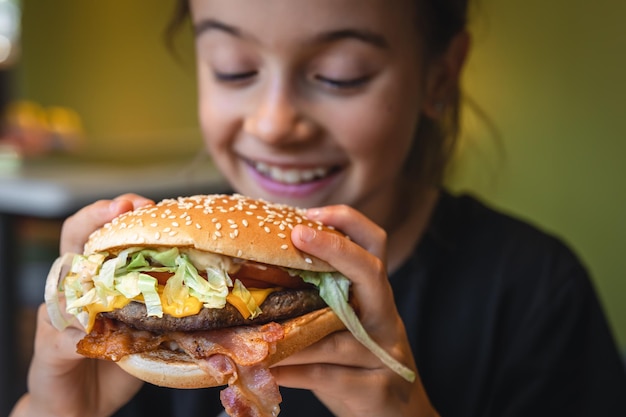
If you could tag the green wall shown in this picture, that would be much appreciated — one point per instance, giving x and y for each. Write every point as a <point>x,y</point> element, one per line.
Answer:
<point>108,61</point>
<point>549,76</point>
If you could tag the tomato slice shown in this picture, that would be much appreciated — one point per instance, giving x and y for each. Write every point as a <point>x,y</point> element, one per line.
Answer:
<point>254,275</point>
<point>161,277</point>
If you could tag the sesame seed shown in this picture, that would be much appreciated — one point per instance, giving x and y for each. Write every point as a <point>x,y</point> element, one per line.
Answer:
<point>218,233</point>
<point>157,235</point>
<point>281,235</point>
<point>267,229</point>
<point>244,222</point>
<point>167,229</point>
<point>175,224</point>
<point>154,224</point>
<point>284,247</point>
<point>218,226</point>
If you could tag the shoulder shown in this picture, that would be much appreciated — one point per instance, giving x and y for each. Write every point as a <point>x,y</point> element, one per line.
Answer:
<point>481,241</point>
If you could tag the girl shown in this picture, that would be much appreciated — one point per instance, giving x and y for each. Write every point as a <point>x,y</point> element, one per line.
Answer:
<point>350,107</point>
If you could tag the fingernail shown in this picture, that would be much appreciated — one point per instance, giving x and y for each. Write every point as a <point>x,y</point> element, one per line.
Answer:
<point>313,213</point>
<point>114,206</point>
<point>307,234</point>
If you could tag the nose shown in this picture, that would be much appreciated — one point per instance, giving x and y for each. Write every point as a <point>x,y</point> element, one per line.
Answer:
<point>276,119</point>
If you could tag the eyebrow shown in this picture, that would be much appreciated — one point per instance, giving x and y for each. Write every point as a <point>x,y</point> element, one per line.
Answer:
<point>366,36</point>
<point>363,35</point>
<point>212,24</point>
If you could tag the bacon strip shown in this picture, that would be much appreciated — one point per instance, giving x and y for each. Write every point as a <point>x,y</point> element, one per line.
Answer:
<point>112,340</point>
<point>246,345</point>
<point>232,356</point>
<point>252,390</point>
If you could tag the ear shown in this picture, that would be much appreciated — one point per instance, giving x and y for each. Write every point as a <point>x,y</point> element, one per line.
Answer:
<point>443,76</point>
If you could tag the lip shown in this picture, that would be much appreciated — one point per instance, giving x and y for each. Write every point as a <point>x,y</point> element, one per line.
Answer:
<point>305,188</point>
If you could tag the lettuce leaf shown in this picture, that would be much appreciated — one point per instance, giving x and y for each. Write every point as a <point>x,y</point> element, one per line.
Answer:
<point>334,290</point>
<point>93,280</point>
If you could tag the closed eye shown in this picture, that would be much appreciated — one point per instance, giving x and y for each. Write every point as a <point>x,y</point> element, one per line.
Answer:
<point>234,77</point>
<point>343,84</point>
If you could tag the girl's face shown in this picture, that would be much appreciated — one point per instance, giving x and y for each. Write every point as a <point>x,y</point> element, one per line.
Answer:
<point>310,102</point>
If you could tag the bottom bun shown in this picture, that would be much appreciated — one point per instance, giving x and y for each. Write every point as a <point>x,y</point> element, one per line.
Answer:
<point>171,369</point>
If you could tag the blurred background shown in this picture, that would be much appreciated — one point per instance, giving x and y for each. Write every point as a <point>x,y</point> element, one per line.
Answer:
<point>89,89</point>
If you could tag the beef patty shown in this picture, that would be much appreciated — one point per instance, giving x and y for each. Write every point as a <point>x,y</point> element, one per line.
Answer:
<point>279,305</point>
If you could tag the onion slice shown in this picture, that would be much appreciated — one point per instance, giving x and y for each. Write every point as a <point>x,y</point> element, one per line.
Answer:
<point>53,287</point>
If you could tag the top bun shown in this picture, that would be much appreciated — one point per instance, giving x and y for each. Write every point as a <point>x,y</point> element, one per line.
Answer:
<point>232,225</point>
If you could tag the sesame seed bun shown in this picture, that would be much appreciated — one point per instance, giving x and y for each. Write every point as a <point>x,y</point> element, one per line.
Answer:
<point>232,225</point>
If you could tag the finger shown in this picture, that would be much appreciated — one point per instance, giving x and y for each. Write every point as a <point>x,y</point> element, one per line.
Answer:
<point>77,228</point>
<point>321,377</point>
<point>135,199</point>
<point>53,346</point>
<point>353,223</point>
<point>340,348</point>
<point>368,273</point>
<point>357,392</point>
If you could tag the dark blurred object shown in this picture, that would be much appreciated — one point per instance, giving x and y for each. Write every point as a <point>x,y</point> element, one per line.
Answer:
<point>9,387</point>
<point>10,23</point>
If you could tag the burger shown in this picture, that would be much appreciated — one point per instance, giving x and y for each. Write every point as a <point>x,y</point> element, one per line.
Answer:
<point>203,291</point>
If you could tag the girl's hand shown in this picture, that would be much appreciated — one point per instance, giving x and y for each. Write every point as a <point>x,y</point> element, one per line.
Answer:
<point>60,381</point>
<point>346,376</point>
<point>77,228</point>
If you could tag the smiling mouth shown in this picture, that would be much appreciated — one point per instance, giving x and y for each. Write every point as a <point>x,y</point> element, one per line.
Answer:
<point>292,176</point>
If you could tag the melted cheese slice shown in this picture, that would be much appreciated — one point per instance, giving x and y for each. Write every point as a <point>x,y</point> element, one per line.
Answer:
<point>190,306</point>
<point>259,296</point>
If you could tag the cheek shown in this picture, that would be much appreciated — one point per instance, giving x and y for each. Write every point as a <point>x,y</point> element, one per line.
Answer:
<point>380,132</point>
<point>218,117</point>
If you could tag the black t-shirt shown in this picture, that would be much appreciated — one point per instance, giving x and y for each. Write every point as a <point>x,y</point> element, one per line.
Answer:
<point>503,321</point>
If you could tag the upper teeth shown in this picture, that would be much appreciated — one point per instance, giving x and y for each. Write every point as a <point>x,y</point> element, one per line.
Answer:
<point>290,175</point>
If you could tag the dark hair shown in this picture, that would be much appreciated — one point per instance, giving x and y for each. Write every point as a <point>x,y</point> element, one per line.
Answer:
<point>439,21</point>
<point>435,140</point>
